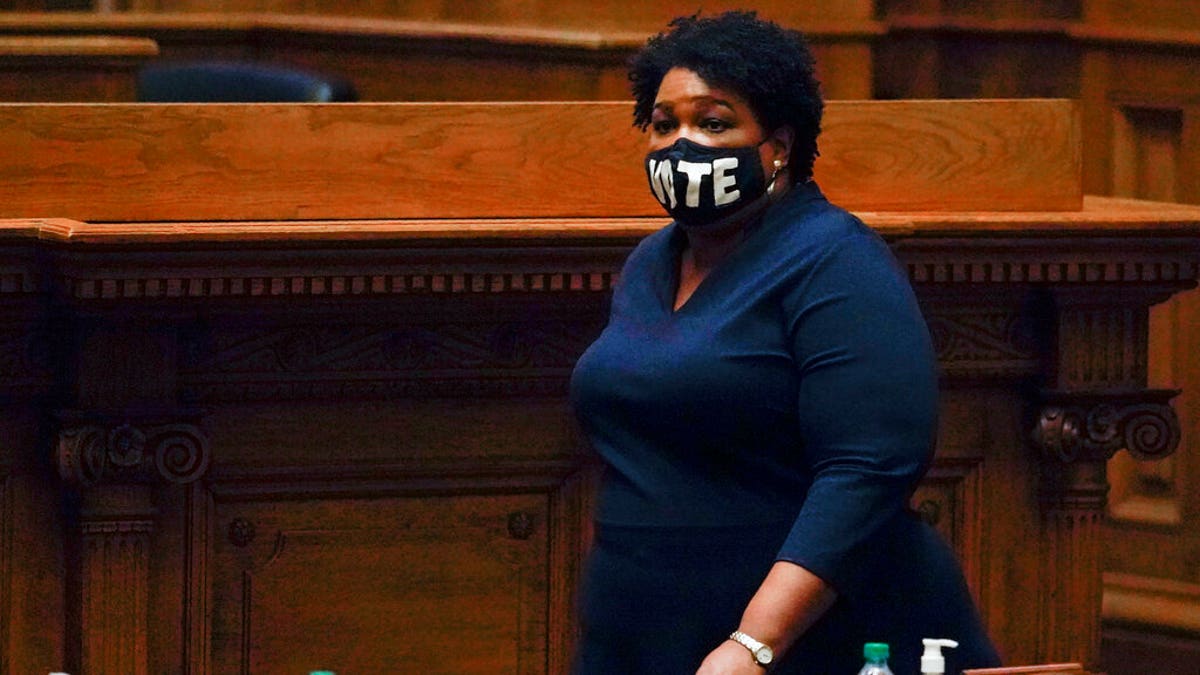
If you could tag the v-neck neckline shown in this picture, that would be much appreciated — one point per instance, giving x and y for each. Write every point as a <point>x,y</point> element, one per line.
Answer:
<point>676,242</point>
<point>673,267</point>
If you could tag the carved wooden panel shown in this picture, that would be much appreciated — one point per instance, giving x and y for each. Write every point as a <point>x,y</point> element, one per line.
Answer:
<point>1102,347</point>
<point>401,580</point>
<point>983,342</point>
<point>115,590</point>
<point>459,357</point>
<point>949,498</point>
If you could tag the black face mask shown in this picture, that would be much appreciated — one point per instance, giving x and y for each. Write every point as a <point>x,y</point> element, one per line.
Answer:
<point>704,187</point>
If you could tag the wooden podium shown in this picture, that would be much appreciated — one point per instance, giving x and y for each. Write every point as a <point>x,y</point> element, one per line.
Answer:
<point>283,387</point>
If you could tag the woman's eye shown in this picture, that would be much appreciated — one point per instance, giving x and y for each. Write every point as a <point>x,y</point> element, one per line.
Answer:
<point>662,126</point>
<point>714,124</point>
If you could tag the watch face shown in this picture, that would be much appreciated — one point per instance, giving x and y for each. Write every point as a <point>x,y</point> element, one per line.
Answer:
<point>764,655</point>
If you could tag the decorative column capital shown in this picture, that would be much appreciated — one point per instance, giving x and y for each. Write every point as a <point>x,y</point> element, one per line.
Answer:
<point>1075,432</point>
<point>132,447</point>
<point>1092,426</point>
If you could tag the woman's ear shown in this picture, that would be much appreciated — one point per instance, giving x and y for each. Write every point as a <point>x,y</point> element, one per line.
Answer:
<point>781,143</point>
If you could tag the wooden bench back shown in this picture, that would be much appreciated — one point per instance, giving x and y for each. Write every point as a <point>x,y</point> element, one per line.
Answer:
<point>141,162</point>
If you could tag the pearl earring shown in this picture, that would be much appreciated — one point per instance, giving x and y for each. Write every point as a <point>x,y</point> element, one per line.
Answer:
<point>771,186</point>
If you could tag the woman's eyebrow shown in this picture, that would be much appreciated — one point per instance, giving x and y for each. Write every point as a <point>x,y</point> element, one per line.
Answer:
<point>720,101</point>
<point>703,99</point>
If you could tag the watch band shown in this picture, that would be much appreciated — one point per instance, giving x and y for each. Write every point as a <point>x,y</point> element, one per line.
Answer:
<point>763,655</point>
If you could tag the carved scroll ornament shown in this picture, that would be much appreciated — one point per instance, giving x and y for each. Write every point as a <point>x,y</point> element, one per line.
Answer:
<point>1093,426</point>
<point>98,452</point>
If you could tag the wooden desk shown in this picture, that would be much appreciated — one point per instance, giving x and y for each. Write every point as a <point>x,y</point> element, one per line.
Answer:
<point>302,370</point>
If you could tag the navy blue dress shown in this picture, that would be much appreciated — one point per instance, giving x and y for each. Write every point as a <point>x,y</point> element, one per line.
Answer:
<point>785,412</point>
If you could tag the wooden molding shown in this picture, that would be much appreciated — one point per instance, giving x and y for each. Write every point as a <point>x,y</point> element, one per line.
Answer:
<point>23,48</point>
<point>1047,669</point>
<point>1104,219</point>
<point>1146,601</point>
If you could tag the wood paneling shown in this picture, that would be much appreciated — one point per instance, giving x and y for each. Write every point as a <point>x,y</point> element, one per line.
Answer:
<point>1176,14</point>
<point>289,390</point>
<point>181,162</point>
<point>332,408</point>
<point>606,14</point>
<point>1141,104</point>
<point>415,56</point>
<point>408,578</point>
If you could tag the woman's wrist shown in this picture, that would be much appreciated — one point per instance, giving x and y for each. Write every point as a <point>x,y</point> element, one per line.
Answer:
<point>789,601</point>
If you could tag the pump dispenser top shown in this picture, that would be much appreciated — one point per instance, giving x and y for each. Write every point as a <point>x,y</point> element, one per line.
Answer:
<point>932,661</point>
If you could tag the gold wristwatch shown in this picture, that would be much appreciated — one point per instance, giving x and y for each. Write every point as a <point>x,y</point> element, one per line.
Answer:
<point>762,654</point>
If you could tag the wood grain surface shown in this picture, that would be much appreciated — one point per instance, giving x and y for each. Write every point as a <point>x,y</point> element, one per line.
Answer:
<point>1100,216</point>
<point>219,162</point>
<point>92,46</point>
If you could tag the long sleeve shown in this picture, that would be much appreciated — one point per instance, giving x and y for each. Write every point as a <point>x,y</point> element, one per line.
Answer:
<point>867,404</point>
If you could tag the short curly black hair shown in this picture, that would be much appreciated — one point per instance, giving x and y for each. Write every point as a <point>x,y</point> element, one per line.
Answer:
<point>770,66</point>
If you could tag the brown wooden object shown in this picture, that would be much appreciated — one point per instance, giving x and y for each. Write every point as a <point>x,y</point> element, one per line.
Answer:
<point>1048,669</point>
<point>452,52</point>
<point>496,160</point>
<point>302,371</point>
<point>56,68</point>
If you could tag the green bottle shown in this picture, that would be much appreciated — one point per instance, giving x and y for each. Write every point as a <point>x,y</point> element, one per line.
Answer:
<point>876,655</point>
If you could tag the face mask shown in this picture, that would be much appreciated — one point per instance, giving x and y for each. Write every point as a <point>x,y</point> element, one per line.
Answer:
<point>704,187</point>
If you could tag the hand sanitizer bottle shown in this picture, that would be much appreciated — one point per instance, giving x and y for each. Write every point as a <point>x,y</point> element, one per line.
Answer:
<point>932,661</point>
<point>876,654</point>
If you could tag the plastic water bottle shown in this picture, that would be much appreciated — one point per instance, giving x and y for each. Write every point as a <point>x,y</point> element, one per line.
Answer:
<point>876,655</point>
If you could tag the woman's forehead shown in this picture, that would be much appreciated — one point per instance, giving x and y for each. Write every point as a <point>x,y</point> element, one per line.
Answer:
<point>684,86</point>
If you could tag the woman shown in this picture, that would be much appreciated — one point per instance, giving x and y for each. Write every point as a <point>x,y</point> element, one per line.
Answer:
<point>764,396</point>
